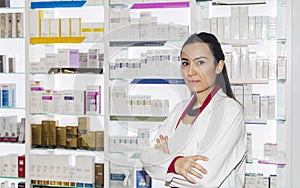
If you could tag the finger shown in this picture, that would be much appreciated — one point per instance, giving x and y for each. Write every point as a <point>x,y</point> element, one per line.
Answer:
<point>157,141</point>
<point>165,146</point>
<point>195,173</point>
<point>200,168</point>
<point>199,157</point>
<point>188,178</point>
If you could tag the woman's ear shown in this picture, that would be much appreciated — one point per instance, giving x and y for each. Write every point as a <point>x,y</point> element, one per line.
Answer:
<point>220,66</point>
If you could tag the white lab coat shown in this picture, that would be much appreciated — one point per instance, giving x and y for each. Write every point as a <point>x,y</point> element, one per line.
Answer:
<point>218,133</point>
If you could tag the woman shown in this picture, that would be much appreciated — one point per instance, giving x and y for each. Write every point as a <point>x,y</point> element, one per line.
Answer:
<point>202,143</point>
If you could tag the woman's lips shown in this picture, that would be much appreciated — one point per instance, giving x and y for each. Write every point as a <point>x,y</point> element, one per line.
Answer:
<point>193,81</point>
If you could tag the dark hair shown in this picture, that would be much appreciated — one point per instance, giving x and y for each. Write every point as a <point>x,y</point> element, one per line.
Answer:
<point>215,47</point>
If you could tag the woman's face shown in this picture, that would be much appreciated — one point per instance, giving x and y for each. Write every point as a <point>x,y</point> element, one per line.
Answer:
<point>197,65</point>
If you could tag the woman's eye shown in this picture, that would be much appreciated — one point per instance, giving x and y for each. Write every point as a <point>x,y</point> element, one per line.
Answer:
<point>184,63</point>
<point>200,62</point>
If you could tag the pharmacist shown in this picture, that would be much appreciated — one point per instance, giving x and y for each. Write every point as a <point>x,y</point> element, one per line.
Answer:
<point>202,142</point>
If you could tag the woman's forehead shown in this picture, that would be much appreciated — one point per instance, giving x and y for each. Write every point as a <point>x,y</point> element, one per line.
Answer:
<point>196,49</point>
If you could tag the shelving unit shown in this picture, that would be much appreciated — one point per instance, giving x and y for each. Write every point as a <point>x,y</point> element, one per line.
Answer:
<point>167,89</point>
<point>12,108</point>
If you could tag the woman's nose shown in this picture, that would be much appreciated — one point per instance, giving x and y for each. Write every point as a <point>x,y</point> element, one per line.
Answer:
<point>192,69</point>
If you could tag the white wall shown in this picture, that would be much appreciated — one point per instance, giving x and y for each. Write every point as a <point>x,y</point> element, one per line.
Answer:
<point>295,94</point>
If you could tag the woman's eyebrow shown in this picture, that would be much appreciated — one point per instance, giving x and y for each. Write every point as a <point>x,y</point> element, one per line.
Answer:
<point>201,57</point>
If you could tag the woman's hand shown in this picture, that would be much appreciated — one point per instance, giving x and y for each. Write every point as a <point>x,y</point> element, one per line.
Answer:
<point>188,165</point>
<point>162,144</point>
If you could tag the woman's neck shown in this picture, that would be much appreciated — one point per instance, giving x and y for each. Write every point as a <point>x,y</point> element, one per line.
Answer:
<point>202,95</point>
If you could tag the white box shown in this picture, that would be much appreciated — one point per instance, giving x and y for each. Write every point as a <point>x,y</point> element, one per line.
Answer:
<point>252,65</point>
<point>74,102</point>
<point>206,25</point>
<point>13,165</point>
<point>281,67</point>
<point>58,101</point>
<point>19,25</point>
<point>256,105</point>
<point>273,181</point>
<point>98,31</point>
<point>12,127</point>
<point>87,32</point>
<point>227,28</point>
<point>47,101</point>
<point>75,27</point>
<point>8,93</point>
<point>265,71</point>
<point>272,104</point>
<point>258,27</point>
<point>265,27</point>
<point>259,67</point>
<point>35,97</point>
<point>65,26</point>
<point>264,106</point>
<point>54,27</point>
<point>45,27</point>
<point>228,64</point>
<point>244,27</point>
<point>85,164</point>
<point>270,151</point>
<point>83,60</point>
<point>214,26</point>
<point>14,26</point>
<point>6,165</point>
<point>221,28</point>
<point>93,58</point>
<point>93,99</point>
<point>236,63</point>
<point>249,158</point>
<point>3,63</point>
<point>244,62</point>
<point>251,28</point>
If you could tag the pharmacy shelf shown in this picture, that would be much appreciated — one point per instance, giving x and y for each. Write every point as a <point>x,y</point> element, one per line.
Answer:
<point>75,71</point>
<point>277,162</point>
<point>263,121</point>
<point>12,73</point>
<point>10,177</point>
<point>13,38</point>
<point>137,118</point>
<point>250,42</point>
<point>137,43</point>
<point>157,81</point>
<point>65,151</point>
<point>56,114</point>
<point>12,108</point>
<point>57,4</point>
<point>44,185</point>
<point>161,5</point>
<point>55,40</point>
<point>241,82</point>
<point>234,2</point>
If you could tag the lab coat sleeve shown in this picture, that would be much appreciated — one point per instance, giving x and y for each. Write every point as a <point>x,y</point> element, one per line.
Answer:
<point>225,151</point>
<point>155,162</point>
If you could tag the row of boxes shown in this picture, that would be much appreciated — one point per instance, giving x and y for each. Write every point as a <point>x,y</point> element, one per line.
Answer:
<point>52,27</point>
<point>122,104</point>
<point>147,65</point>
<point>7,95</point>
<point>130,143</point>
<point>59,171</point>
<point>93,31</point>
<point>49,134</point>
<point>11,130</point>
<point>65,101</point>
<point>11,25</point>
<point>7,184</point>
<point>260,181</point>
<point>241,26</point>
<point>124,27</point>
<point>270,150</point>
<point>255,105</point>
<point>69,58</point>
<point>7,64</point>
<point>12,165</point>
<point>243,64</point>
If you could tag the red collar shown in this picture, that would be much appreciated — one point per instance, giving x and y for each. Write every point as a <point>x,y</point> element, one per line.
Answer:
<point>205,103</point>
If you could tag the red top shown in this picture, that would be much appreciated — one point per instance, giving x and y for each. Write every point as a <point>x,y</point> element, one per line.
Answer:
<point>171,168</point>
